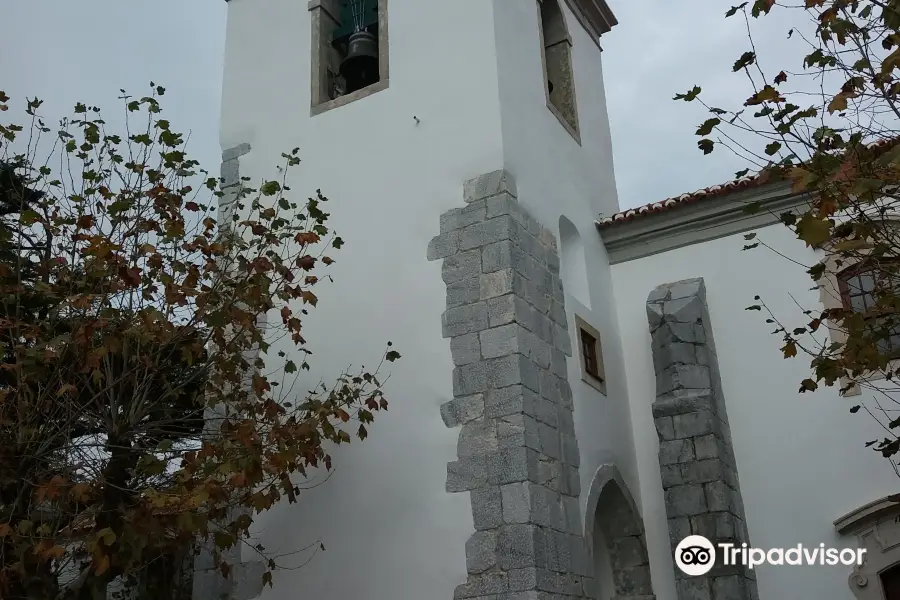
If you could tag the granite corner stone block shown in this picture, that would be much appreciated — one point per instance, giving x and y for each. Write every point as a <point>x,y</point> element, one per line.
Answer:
<point>489,184</point>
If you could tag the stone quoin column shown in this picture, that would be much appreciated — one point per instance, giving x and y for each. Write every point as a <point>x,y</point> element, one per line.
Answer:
<point>696,459</point>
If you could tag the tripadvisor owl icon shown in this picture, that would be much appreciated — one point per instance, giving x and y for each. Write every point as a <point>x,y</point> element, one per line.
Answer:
<point>695,555</point>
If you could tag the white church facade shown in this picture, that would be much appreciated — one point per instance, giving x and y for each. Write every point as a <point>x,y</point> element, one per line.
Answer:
<point>577,392</point>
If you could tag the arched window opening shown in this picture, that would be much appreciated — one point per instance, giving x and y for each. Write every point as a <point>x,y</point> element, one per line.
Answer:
<point>573,265</point>
<point>557,56</point>
<point>619,549</point>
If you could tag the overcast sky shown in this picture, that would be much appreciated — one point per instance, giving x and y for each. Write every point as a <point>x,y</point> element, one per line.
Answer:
<point>86,50</point>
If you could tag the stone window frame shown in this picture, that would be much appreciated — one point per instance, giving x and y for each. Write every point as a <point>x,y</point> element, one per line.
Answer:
<point>324,18</point>
<point>876,526</point>
<point>831,296</point>
<point>564,37</point>
<point>598,383</point>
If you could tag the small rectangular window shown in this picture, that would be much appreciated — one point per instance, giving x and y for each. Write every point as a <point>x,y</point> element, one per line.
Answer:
<point>591,357</point>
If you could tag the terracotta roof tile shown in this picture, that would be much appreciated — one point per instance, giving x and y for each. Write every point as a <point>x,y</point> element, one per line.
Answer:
<point>677,201</point>
<point>714,191</point>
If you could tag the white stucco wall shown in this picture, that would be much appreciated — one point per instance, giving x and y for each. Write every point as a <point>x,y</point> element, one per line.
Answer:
<point>558,177</point>
<point>390,529</point>
<point>800,458</point>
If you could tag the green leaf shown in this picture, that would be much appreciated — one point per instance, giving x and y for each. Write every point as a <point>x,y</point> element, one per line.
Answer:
<point>707,126</point>
<point>706,146</point>
<point>290,367</point>
<point>773,148</point>
<point>746,59</point>
<point>690,95</point>
<point>731,11</point>
<point>392,355</point>
<point>854,409</point>
<point>270,188</point>
<point>283,203</point>
<point>813,230</point>
<point>754,307</point>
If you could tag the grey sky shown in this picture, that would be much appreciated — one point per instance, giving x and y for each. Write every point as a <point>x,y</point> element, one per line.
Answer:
<point>65,51</point>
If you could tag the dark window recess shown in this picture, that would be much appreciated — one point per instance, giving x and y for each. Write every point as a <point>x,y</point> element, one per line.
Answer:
<point>356,43</point>
<point>859,287</point>
<point>890,582</point>
<point>589,352</point>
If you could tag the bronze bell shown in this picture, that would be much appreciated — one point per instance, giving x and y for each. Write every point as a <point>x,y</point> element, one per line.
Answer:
<point>360,68</point>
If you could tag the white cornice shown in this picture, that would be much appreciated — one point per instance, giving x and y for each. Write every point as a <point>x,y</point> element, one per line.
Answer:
<point>594,15</point>
<point>698,222</point>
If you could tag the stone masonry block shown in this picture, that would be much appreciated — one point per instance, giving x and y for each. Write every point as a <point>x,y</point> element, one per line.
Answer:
<point>682,377</point>
<point>516,547</point>
<point>676,353</point>
<point>501,341</point>
<point>658,294</point>
<point>685,310</point>
<point>728,587</point>
<point>518,430</point>
<point>229,173</point>
<point>494,373</point>
<point>459,218</point>
<point>671,475</point>
<point>483,585</point>
<point>694,424</point>
<point>677,332</point>
<point>500,283</point>
<point>465,349</point>
<point>462,410</point>
<point>487,508</point>
<point>550,442</point>
<point>481,551</point>
<point>507,401</point>
<point>570,452</point>
<point>679,528</point>
<point>505,204</point>
<point>477,438</point>
<point>665,430</point>
<point>521,580</point>
<point>655,316</point>
<point>465,291</point>
<point>695,588</point>
<point>443,245</point>
<point>486,232</point>
<point>509,309</point>
<point>505,254</point>
<point>460,266</point>
<point>461,320</point>
<point>718,496</point>
<point>707,446</point>
<point>685,501</point>
<point>561,340</point>
<point>703,471</point>
<point>489,184</point>
<point>235,152</point>
<point>686,288</point>
<point>676,451</point>
<point>679,402</point>
<point>558,364</point>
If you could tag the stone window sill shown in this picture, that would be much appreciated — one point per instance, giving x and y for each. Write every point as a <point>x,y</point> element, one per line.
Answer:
<point>348,98</point>
<point>572,131</point>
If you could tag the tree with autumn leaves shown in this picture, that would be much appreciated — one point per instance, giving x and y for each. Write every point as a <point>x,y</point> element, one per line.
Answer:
<point>830,125</point>
<point>142,415</point>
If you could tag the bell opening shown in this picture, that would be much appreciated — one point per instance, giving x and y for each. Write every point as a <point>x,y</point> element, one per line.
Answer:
<point>359,68</point>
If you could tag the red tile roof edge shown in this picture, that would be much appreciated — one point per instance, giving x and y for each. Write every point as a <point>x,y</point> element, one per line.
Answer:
<point>714,191</point>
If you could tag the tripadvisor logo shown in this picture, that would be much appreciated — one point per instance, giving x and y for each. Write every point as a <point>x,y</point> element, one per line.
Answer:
<point>695,555</point>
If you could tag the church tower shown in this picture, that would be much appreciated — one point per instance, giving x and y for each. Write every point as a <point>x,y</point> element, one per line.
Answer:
<point>465,149</point>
